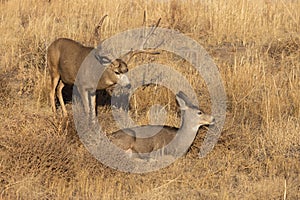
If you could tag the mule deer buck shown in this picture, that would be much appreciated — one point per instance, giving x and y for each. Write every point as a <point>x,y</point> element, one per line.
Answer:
<point>64,58</point>
<point>192,119</point>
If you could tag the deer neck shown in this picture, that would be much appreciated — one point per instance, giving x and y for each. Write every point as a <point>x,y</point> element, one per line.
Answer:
<point>188,125</point>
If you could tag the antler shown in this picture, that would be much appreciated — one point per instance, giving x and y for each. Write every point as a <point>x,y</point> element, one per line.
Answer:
<point>97,32</point>
<point>132,53</point>
<point>151,32</point>
<point>144,19</point>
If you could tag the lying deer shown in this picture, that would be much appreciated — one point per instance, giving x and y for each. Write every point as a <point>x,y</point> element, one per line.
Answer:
<point>192,119</point>
<point>64,58</point>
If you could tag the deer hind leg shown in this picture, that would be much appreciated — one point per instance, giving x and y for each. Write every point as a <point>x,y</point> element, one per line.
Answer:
<point>60,97</point>
<point>54,82</point>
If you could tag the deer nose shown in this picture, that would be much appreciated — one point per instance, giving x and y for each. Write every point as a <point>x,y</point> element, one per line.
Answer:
<point>128,86</point>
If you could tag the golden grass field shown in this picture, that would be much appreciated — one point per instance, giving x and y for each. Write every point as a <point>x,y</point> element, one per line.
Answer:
<point>256,46</point>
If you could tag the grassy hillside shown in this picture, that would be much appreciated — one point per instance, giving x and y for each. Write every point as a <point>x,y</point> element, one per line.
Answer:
<point>256,46</point>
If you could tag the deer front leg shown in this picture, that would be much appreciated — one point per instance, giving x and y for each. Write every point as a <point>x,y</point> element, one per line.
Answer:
<point>93,105</point>
<point>84,95</point>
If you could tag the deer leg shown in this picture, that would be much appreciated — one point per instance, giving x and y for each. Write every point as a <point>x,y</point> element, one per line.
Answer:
<point>84,94</point>
<point>60,97</point>
<point>54,82</point>
<point>93,105</point>
<point>133,153</point>
<point>129,152</point>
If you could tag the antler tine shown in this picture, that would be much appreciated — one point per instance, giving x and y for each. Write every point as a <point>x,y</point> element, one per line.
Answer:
<point>151,32</point>
<point>144,22</point>
<point>154,27</point>
<point>133,53</point>
<point>97,32</point>
<point>142,50</point>
<point>144,19</point>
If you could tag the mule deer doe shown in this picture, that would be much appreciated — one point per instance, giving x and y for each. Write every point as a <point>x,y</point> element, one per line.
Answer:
<point>192,119</point>
<point>64,58</point>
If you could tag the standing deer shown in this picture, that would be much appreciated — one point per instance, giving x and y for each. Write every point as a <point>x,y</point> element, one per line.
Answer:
<point>64,58</point>
<point>192,119</point>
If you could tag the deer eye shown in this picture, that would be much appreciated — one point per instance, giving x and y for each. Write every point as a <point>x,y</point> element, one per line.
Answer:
<point>118,73</point>
<point>199,113</point>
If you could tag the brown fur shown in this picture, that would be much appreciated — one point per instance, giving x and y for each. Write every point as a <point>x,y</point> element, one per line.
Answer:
<point>64,60</point>
<point>130,139</point>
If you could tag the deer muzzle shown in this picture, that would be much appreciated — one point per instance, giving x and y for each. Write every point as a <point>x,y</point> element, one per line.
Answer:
<point>124,81</point>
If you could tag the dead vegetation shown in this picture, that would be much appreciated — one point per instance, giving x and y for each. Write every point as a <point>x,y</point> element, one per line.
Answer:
<point>256,47</point>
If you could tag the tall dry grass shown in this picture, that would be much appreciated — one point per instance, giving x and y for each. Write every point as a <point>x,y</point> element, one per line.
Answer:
<point>256,45</point>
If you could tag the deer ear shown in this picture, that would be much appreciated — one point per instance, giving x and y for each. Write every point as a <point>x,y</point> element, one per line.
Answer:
<point>103,59</point>
<point>181,103</point>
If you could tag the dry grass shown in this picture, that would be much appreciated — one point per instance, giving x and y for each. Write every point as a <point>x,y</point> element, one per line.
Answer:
<point>256,45</point>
